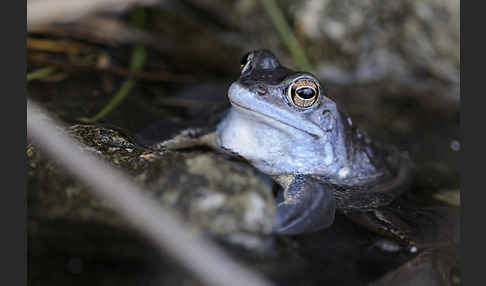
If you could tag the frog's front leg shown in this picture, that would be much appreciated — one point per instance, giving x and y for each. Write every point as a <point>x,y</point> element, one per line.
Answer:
<point>305,205</point>
<point>189,138</point>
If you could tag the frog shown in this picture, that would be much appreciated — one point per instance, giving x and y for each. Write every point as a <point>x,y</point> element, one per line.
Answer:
<point>282,122</point>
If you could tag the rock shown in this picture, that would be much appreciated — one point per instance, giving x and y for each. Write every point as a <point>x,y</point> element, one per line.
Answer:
<point>406,42</point>
<point>222,198</point>
<point>437,267</point>
<point>70,229</point>
<point>403,44</point>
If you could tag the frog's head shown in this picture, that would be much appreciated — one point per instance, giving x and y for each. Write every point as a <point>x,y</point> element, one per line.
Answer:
<point>291,116</point>
<point>272,91</point>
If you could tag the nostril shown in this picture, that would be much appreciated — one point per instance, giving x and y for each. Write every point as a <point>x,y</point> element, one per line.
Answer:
<point>261,90</point>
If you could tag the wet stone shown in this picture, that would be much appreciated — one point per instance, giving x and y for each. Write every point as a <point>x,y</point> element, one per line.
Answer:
<point>216,196</point>
<point>226,199</point>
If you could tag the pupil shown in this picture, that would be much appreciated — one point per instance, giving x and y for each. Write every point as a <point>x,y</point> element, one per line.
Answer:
<point>305,92</point>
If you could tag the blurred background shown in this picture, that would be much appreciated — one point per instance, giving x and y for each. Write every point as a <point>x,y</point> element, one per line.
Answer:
<point>126,73</point>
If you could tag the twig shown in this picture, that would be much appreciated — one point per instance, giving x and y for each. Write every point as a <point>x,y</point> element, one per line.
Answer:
<point>98,29</point>
<point>125,89</point>
<point>286,35</point>
<point>167,230</point>
<point>138,59</point>
<point>44,12</point>
<point>40,73</point>
<point>148,76</point>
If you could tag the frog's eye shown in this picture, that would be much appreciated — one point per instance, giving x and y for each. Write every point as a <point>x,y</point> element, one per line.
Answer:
<point>245,62</point>
<point>303,93</point>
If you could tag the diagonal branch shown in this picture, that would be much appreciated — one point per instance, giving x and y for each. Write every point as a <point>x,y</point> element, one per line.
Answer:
<point>199,255</point>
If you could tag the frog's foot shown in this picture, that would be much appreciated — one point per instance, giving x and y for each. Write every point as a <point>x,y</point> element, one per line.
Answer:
<point>305,206</point>
<point>189,138</point>
<point>386,224</point>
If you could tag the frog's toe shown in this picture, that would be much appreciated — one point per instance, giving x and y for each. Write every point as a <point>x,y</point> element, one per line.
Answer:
<point>310,210</point>
<point>188,138</point>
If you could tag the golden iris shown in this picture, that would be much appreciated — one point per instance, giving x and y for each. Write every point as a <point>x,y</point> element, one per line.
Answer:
<point>303,93</point>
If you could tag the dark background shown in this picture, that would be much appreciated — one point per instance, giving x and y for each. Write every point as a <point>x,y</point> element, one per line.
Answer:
<point>441,98</point>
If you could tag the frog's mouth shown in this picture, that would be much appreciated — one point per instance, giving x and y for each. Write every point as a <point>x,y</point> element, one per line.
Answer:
<point>271,112</point>
<point>260,114</point>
